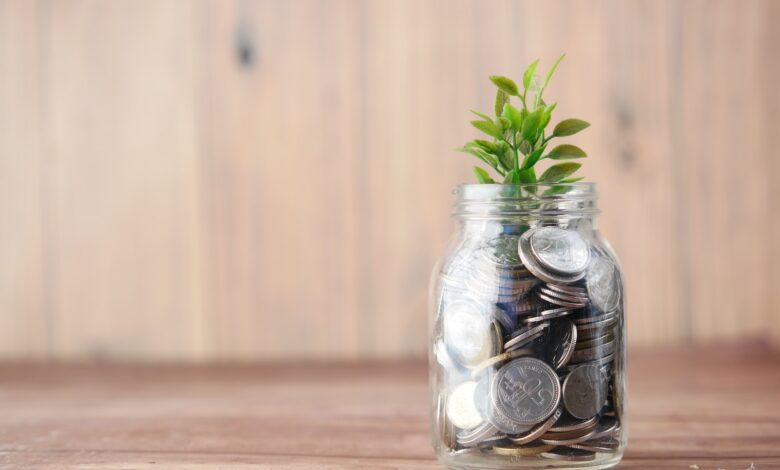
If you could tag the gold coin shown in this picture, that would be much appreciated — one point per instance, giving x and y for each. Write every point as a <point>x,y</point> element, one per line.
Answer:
<point>526,451</point>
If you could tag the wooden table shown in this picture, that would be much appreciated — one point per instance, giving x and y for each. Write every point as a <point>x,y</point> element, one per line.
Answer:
<point>714,408</point>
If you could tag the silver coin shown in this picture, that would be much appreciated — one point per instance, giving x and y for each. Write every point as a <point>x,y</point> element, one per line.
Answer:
<point>537,269</point>
<point>591,354</point>
<point>502,251</point>
<point>573,291</point>
<point>525,335</point>
<point>597,318</point>
<point>563,296</point>
<point>539,430</point>
<point>604,446</point>
<point>584,391</point>
<point>548,315</point>
<point>476,435</point>
<point>461,406</point>
<point>603,284</point>
<point>569,454</point>
<point>607,427</point>
<point>469,333</point>
<point>584,344</point>
<point>567,423</point>
<point>606,323</point>
<point>560,250</point>
<point>563,339</point>
<point>526,391</point>
<point>560,302</point>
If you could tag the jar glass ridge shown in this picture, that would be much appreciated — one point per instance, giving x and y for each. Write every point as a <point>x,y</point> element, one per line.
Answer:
<point>527,332</point>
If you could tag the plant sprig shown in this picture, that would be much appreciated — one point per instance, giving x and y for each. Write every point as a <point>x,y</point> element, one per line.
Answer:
<point>518,137</point>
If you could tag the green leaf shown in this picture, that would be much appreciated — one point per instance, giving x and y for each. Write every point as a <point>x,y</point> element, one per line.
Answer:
<point>513,177</point>
<point>546,115</point>
<point>551,72</point>
<point>504,123</point>
<point>528,176</point>
<point>558,172</point>
<point>505,84</point>
<point>501,99</point>
<point>572,180</point>
<point>514,116</point>
<point>528,75</point>
<point>483,116</point>
<point>483,176</point>
<point>525,147</point>
<point>531,125</point>
<point>569,127</point>
<point>482,155</point>
<point>566,152</point>
<point>531,159</point>
<point>488,128</point>
<point>505,155</point>
<point>485,145</point>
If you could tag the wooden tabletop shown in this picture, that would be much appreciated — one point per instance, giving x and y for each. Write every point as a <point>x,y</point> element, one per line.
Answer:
<point>715,408</point>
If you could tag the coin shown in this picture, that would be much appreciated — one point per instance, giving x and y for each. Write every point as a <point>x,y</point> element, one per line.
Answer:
<point>573,291</point>
<point>525,391</point>
<point>560,250</point>
<point>607,427</point>
<point>602,281</point>
<point>569,423</point>
<point>561,344</point>
<point>503,357</point>
<point>590,354</point>
<point>548,315</point>
<point>461,408</point>
<point>584,344</point>
<point>574,299</point>
<point>539,430</point>
<point>537,269</point>
<point>476,435</point>
<point>561,302</point>
<point>568,454</point>
<point>584,391</point>
<point>469,332</point>
<point>606,446</point>
<point>535,448</point>
<point>525,335</point>
<point>597,318</point>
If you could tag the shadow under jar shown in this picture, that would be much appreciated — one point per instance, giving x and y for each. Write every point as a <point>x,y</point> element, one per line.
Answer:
<point>527,345</point>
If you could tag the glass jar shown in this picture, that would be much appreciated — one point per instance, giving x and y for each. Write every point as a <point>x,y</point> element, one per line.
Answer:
<point>527,346</point>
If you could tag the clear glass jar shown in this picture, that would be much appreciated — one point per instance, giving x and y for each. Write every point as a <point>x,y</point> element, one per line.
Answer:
<point>527,347</point>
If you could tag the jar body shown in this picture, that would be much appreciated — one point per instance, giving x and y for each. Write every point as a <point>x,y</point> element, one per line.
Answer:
<point>527,344</point>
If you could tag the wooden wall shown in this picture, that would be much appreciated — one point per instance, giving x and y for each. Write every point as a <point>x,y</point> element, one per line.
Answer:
<point>271,179</point>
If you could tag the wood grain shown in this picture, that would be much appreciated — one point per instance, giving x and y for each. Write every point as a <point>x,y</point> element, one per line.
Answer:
<point>127,225</point>
<point>24,328</point>
<point>270,179</point>
<point>707,407</point>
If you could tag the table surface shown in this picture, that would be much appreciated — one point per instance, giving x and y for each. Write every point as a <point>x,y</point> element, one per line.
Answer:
<point>713,408</point>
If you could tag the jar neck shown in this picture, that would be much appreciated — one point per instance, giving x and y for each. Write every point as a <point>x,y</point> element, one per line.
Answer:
<point>565,204</point>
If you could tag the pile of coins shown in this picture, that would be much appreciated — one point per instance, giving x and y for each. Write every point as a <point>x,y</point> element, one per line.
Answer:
<point>529,332</point>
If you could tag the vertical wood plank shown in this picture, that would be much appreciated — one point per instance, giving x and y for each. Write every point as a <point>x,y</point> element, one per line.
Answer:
<point>285,152</point>
<point>122,88</point>
<point>724,194</point>
<point>23,331</point>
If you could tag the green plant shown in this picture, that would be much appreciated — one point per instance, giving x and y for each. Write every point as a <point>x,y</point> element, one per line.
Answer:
<point>519,139</point>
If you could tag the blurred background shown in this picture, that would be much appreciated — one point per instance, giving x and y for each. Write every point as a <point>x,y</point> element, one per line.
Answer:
<point>201,180</point>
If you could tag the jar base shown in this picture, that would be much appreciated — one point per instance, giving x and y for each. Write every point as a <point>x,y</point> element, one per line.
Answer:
<point>479,462</point>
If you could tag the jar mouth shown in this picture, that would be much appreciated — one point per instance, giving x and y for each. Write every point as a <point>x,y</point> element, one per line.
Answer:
<point>537,199</point>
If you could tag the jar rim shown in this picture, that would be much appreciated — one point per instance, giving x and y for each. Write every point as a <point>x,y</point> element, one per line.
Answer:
<point>576,199</point>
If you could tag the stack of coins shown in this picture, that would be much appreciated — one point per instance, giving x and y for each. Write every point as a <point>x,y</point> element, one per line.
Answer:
<point>528,338</point>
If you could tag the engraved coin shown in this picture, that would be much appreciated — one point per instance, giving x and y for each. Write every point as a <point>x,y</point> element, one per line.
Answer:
<point>469,332</point>
<point>525,391</point>
<point>461,407</point>
<point>502,251</point>
<point>560,250</point>
<point>536,268</point>
<point>584,391</point>
<point>603,285</point>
